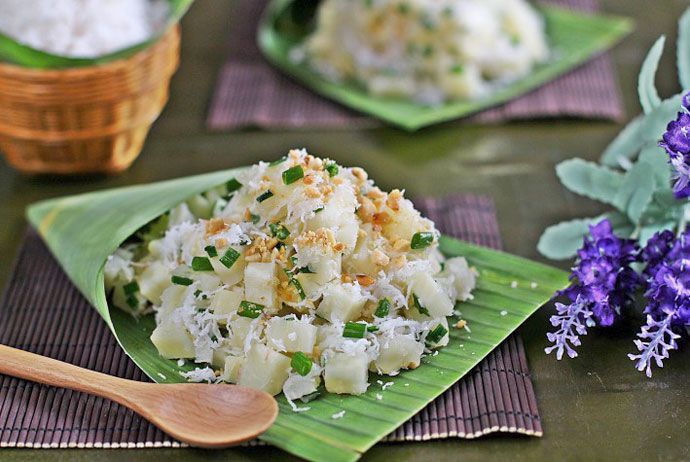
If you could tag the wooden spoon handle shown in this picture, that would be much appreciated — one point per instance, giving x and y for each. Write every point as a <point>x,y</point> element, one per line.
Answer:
<point>37,368</point>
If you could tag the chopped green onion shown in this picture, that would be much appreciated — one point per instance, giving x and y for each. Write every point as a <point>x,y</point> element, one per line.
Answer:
<point>279,231</point>
<point>354,330</point>
<point>457,69</point>
<point>428,51</point>
<point>211,251</point>
<point>306,270</point>
<point>447,11</point>
<point>301,363</point>
<point>278,161</point>
<point>436,334</point>
<point>250,310</point>
<point>332,169</point>
<point>254,218</point>
<point>422,309</point>
<point>383,309</point>
<point>181,281</point>
<point>132,301</point>
<point>372,329</point>
<point>201,264</point>
<point>422,240</point>
<point>131,288</point>
<point>265,195</point>
<point>428,23</point>
<point>403,8</point>
<point>230,257</point>
<point>233,185</point>
<point>320,209</point>
<point>296,284</point>
<point>293,174</point>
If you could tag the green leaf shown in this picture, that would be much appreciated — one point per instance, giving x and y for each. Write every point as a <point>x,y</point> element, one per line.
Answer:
<point>657,158</point>
<point>18,53</point>
<point>82,231</point>
<point>683,50</point>
<point>574,38</point>
<point>663,208</point>
<point>641,130</point>
<point>561,241</point>
<point>635,193</point>
<point>589,179</point>
<point>646,89</point>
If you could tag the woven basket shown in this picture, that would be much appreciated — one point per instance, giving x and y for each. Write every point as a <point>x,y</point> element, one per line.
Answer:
<point>84,120</point>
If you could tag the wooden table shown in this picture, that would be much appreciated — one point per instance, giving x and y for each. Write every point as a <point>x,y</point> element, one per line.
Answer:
<point>594,407</point>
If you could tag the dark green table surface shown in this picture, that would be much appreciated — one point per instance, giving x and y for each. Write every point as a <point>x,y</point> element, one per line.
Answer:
<point>594,407</point>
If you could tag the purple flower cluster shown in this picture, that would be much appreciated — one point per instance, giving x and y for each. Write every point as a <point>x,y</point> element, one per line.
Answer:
<point>676,142</point>
<point>603,283</point>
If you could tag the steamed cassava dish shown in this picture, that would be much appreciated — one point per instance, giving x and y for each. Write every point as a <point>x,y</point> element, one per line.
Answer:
<point>429,51</point>
<point>293,274</point>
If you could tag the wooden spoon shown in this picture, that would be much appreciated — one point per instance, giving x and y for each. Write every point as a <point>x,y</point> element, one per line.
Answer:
<point>203,415</point>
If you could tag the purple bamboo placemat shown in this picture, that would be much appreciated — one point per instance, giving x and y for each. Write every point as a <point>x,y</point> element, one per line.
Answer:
<point>43,312</point>
<point>251,93</point>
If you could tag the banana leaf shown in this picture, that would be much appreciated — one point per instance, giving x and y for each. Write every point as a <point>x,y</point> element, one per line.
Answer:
<point>15,52</point>
<point>83,230</point>
<point>573,37</point>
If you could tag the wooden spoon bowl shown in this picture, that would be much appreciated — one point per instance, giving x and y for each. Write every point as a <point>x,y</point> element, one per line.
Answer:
<point>202,415</point>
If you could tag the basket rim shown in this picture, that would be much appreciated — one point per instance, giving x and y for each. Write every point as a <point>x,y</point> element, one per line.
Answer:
<point>172,34</point>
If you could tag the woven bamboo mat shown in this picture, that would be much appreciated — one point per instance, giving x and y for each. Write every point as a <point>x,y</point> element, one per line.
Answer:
<point>43,312</point>
<point>251,93</point>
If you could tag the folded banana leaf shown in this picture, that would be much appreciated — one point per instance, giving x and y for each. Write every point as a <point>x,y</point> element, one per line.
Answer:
<point>574,38</point>
<point>16,52</point>
<point>82,231</point>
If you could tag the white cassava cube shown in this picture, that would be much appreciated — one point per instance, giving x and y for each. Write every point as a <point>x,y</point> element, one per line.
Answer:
<point>400,352</point>
<point>405,222</point>
<point>206,280</point>
<point>339,214</point>
<point>264,369</point>
<point>239,328</point>
<point>291,334</point>
<point>234,274</point>
<point>347,374</point>
<point>173,340</point>
<point>226,301</point>
<point>431,295</point>
<point>309,282</point>
<point>343,302</point>
<point>324,263</point>
<point>259,283</point>
<point>446,337</point>
<point>153,281</point>
<point>231,369</point>
<point>465,278</point>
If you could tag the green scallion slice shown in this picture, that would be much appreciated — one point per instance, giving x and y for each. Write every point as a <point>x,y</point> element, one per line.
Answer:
<point>332,169</point>
<point>296,284</point>
<point>132,301</point>
<point>131,288</point>
<point>232,185</point>
<point>229,257</point>
<point>265,195</point>
<point>301,363</point>
<point>211,251</point>
<point>383,308</point>
<point>354,330</point>
<point>436,334</point>
<point>254,218</point>
<point>278,161</point>
<point>250,310</point>
<point>320,209</point>
<point>422,309</point>
<point>372,329</point>
<point>293,174</point>
<point>201,264</point>
<point>421,240</point>
<point>181,281</point>
<point>279,231</point>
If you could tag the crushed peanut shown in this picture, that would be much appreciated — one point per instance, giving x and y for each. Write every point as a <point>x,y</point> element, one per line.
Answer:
<point>215,226</point>
<point>379,258</point>
<point>461,324</point>
<point>393,200</point>
<point>364,280</point>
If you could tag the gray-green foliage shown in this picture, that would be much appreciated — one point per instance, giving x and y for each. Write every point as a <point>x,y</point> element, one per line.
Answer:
<point>633,175</point>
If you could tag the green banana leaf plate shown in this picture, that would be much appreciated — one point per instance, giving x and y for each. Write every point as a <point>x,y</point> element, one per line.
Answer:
<point>574,38</point>
<point>83,230</point>
<point>16,52</point>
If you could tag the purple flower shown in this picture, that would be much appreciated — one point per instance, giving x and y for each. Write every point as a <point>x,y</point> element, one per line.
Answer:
<point>676,142</point>
<point>603,282</point>
<point>668,298</point>
<point>572,321</point>
<point>602,274</point>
